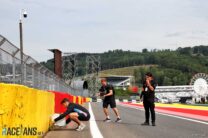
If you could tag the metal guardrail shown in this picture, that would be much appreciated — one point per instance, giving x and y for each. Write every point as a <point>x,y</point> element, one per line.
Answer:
<point>30,72</point>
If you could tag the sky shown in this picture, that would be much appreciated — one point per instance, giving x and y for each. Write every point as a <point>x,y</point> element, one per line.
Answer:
<point>102,25</point>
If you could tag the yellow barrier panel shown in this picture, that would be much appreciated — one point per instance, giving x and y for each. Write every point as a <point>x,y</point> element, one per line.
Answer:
<point>74,99</point>
<point>24,112</point>
<point>88,99</point>
<point>79,100</point>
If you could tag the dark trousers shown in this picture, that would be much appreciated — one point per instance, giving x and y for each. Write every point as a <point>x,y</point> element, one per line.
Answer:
<point>149,107</point>
<point>68,120</point>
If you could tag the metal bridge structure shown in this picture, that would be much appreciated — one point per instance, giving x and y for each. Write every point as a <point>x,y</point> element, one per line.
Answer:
<point>93,66</point>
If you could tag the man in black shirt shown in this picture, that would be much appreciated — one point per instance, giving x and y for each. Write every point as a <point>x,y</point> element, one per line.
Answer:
<point>148,95</point>
<point>75,112</point>
<point>107,92</point>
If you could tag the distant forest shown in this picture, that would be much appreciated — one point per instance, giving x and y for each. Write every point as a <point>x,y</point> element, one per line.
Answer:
<point>173,67</point>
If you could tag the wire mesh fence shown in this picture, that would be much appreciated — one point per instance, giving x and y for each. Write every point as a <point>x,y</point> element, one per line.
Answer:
<point>28,72</point>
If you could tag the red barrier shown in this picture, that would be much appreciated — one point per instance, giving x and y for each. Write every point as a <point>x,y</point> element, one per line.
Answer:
<point>77,99</point>
<point>59,96</point>
<point>84,100</point>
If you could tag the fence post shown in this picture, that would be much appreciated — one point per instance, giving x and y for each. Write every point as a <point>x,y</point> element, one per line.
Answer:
<point>13,69</point>
<point>33,76</point>
<point>25,73</point>
<point>39,78</point>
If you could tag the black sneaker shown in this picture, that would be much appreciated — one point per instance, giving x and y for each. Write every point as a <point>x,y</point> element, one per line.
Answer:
<point>145,124</point>
<point>153,124</point>
<point>118,120</point>
<point>107,120</point>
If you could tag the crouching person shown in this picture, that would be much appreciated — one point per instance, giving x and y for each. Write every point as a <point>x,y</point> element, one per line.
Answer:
<point>75,112</point>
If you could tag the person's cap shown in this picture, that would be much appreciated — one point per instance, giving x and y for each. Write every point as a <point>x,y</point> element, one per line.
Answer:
<point>64,100</point>
<point>149,74</point>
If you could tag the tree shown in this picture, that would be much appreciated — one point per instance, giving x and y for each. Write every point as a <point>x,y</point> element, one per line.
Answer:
<point>144,50</point>
<point>167,81</point>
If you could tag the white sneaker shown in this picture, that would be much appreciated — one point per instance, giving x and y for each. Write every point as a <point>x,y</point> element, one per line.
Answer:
<point>81,127</point>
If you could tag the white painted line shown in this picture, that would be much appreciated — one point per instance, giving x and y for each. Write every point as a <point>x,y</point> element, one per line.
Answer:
<point>183,118</point>
<point>95,132</point>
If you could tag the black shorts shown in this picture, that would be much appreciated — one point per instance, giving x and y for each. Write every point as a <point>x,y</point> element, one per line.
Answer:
<point>82,117</point>
<point>112,104</point>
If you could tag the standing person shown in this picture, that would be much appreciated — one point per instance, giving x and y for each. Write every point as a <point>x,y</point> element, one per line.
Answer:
<point>76,112</point>
<point>148,94</point>
<point>107,92</point>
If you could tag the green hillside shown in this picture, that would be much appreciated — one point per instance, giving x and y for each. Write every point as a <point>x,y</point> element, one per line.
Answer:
<point>126,71</point>
<point>171,67</point>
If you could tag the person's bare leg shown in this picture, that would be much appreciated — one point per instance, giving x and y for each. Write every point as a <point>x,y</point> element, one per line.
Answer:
<point>74,117</point>
<point>105,110</point>
<point>116,112</point>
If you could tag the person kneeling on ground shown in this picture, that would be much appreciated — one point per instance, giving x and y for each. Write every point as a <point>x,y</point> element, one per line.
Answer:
<point>76,113</point>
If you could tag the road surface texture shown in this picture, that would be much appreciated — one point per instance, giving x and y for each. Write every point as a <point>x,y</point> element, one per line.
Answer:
<point>167,126</point>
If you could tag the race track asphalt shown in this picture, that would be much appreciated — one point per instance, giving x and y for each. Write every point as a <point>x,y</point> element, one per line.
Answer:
<point>167,126</point>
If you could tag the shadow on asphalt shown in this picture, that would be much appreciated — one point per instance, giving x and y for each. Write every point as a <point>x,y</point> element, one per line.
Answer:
<point>63,129</point>
<point>57,128</point>
<point>124,123</point>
